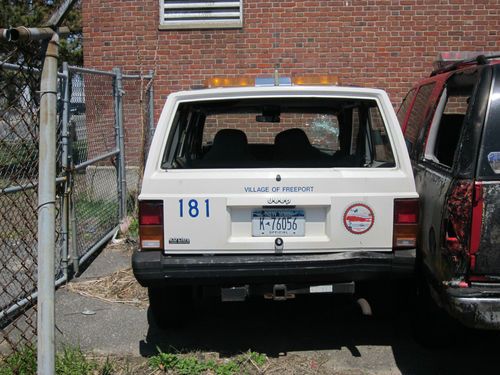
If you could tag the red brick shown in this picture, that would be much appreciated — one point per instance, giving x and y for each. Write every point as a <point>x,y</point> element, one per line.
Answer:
<point>388,44</point>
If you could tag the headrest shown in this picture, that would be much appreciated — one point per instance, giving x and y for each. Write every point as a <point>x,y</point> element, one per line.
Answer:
<point>292,139</point>
<point>230,138</point>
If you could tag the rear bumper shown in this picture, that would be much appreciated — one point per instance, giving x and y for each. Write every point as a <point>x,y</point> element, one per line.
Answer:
<point>155,269</point>
<point>475,307</point>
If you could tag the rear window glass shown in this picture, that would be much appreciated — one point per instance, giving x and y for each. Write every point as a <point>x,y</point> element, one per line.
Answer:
<point>322,130</point>
<point>416,119</point>
<point>267,133</point>
<point>405,105</point>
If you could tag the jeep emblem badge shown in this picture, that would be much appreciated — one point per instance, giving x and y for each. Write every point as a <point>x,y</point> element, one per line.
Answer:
<point>278,201</point>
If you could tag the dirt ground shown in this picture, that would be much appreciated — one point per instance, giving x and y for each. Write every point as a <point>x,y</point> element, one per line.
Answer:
<point>106,313</point>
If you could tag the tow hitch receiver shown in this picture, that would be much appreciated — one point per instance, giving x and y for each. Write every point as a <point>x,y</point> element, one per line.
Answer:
<point>280,293</point>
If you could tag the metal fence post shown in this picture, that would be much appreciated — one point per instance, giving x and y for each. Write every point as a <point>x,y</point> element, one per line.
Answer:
<point>120,143</point>
<point>46,210</point>
<point>65,165</point>
<point>151,109</point>
<point>74,233</point>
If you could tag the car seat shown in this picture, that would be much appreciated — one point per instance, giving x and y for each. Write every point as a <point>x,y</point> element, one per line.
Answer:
<point>293,144</point>
<point>229,145</point>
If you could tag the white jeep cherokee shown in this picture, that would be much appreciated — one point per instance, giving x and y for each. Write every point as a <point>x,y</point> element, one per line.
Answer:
<point>274,191</point>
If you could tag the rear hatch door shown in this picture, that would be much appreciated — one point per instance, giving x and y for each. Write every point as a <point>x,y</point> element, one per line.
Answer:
<point>487,230</point>
<point>321,210</point>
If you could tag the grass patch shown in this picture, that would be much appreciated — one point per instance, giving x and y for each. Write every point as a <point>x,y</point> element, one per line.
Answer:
<point>13,153</point>
<point>22,362</point>
<point>101,213</point>
<point>69,361</point>
<point>72,361</point>
<point>80,151</point>
<point>133,228</point>
<point>189,364</point>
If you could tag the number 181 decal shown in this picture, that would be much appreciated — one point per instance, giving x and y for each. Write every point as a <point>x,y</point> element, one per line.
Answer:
<point>193,208</point>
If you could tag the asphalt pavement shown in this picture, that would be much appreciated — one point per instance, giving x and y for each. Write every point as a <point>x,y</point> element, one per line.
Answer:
<point>330,333</point>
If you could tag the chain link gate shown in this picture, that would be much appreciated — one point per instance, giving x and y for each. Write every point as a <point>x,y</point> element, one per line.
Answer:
<point>93,165</point>
<point>94,107</point>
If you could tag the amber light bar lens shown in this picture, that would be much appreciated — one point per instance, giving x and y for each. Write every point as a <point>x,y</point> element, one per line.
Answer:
<point>229,82</point>
<point>325,80</point>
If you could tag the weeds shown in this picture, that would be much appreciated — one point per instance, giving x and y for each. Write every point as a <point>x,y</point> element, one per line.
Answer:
<point>69,361</point>
<point>99,212</point>
<point>191,365</point>
<point>258,358</point>
<point>22,362</point>
<point>72,361</point>
<point>133,228</point>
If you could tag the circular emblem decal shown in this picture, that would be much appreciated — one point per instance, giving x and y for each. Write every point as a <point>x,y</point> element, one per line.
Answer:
<point>358,218</point>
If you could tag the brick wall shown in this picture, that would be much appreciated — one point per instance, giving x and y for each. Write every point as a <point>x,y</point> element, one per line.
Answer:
<point>387,44</point>
<point>135,103</point>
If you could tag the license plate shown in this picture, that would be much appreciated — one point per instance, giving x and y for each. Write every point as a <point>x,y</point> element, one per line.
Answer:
<point>272,223</point>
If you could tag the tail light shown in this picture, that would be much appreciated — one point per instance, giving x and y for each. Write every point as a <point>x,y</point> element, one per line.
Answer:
<point>477,222</point>
<point>465,219</point>
<point>405,224</point>
<point>151,224</point>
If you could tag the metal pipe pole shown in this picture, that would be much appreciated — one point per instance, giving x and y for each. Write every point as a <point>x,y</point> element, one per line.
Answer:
<point>121,143</point>
<point>74,235</point>
<point>46,210</point>
<point>65,155</point>
<point>151,111</point>
<point>117,141</point>
<point>31,33</point>
<point>122,148</point>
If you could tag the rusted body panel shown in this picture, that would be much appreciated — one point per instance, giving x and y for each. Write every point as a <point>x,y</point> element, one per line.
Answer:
<point>456,228</point>
<point>488,255</point>
<point>476,312</point>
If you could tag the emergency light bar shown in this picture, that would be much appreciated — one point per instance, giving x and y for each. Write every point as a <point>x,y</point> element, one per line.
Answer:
<point>271,81</point>
<point>445,59</point>
<point>228,82</point>
<point>324,80</point>
<point>316,80</point>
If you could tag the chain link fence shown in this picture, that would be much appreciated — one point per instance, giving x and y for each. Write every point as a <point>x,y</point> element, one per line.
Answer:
<point>104,123</point>
<point>20,69</point>
<point>93,160</point>
<point>139,127</point>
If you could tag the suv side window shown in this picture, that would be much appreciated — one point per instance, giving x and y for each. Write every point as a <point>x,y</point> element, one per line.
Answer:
<point>417,115</point>
<point>446,126</point>
<point>382,152</point>
<point>489,159</point>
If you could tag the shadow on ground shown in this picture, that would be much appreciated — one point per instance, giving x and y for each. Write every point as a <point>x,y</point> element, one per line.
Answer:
<point>320,323</point>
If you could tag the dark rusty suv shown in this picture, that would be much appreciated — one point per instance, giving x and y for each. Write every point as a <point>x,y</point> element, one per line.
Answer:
<point>451,125</point>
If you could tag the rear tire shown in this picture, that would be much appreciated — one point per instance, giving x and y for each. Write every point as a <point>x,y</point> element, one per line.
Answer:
<point>387,298</point>
<point>169,307</point>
